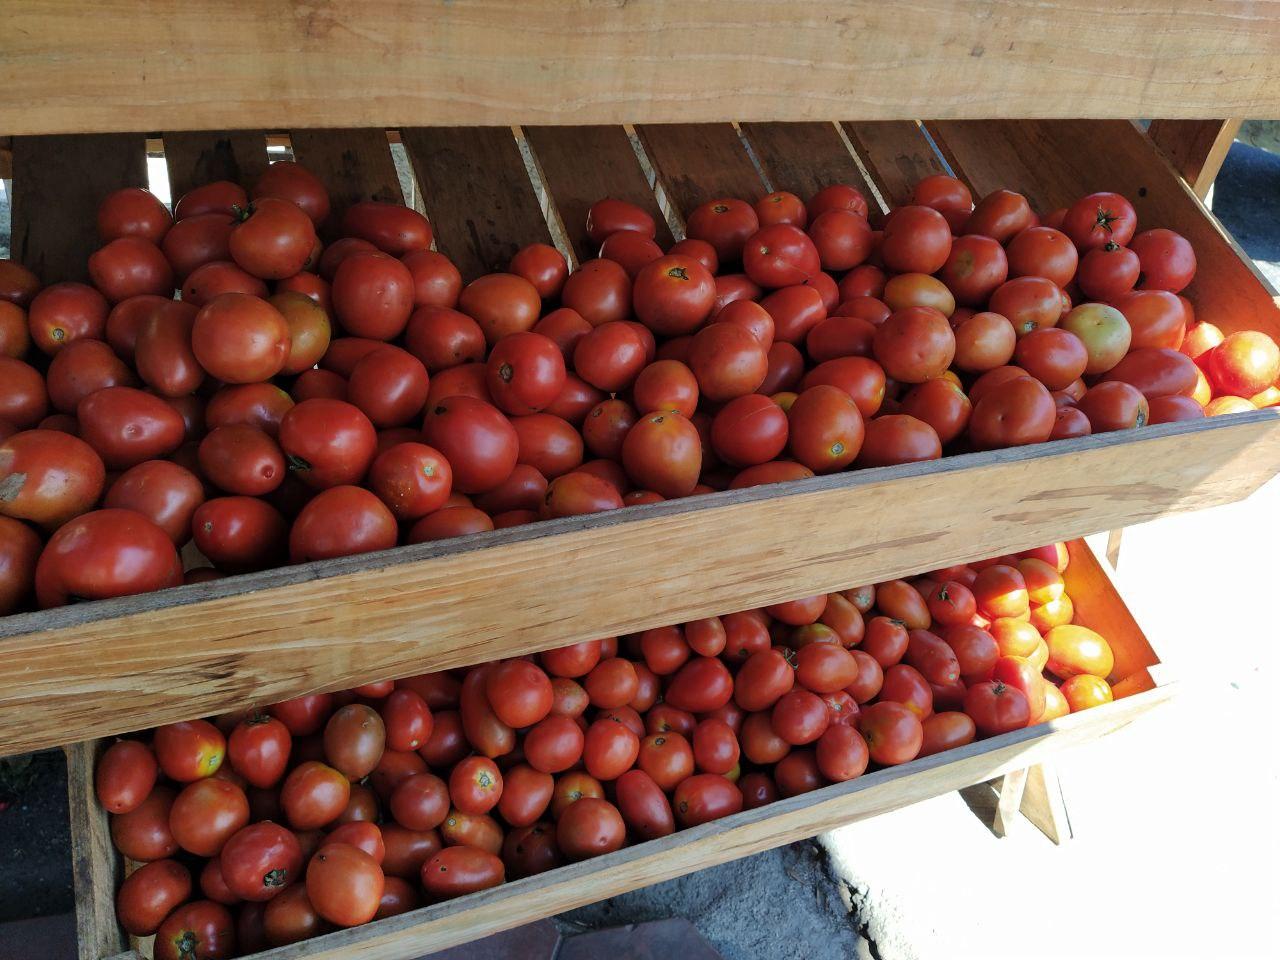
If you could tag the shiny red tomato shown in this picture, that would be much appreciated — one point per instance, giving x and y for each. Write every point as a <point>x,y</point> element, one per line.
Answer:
<point>202,930</point>
<point>373,295</point>
<point>705,797</point>
<point>1098,219</point>
<point>291,181</point>
<point>779,256</point>
<point>1167,259</point>
<point>133,212</point>
<point>344,884</point>
<point>105,553</point>
<point>391,227</point>
<point>996,707</point>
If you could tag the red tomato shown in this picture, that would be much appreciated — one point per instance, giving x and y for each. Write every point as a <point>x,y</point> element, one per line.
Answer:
<point>837,196</point>
<point>1054,356</point>
<point>996,707</point>
<point>599,291</point>
<point>946,731</point>
<point>842,237</point>
<point>1098,219</point>
<point>898,438</point>
<point>825,429</point>
<point>206,814</point>
<point>477,440</point>
<point>239,533</point>
<point>842,753</point>
<point>588,828</point>
<point>609,216</point>
<point>1243,364</point>
<point>779,256</point>
<point>133,212</point>
<point>701,685</point>
<point>975,267</point>
<point>149,894</point>
<point>1043,252</point>
<point>1000,215</point>
<point>502,304</point>
<point>64,312</point>
<point>1167,259</point>
<point>291,181</point>
<point>1156,372</point>
<point>644,806</point>
<point>456,871</point>
<point>610,357</point>
<point>373,295</point>
<point>48,477</point>
<point>105,553</point>
<point>949,196</point>
<point>436,281</point>
<point>526,372</point>
<point>942,405</point>
<point>892,732</point>
<point>781,207</point>
<point>258,750</point>
<point>916,240</point>
<point>915,344</point>
<point>204,930</point>
<point>1015,413</point>
<point>344,884</point>
<point>442,338</point>
<point>673,295</point>
<point>1173,409</point>
<point>726,224</point>
<point>341,521</point>
<point>124,776</point>
<point>1108,272</point>
<point>663,452</point>
<point>130,267</point>
<point>727,361</point>
<point>1114,405</point>
<point>705,797</point>
<point>749,430</point>
<point>314,795</point>
<point>543,266</point>
<point>391,227</point>
<point>412,479</point>
<point>275,241</point>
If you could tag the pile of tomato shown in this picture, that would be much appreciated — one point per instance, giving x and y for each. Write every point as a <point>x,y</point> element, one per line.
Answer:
<point>299,401</point>
<point>264,827</point>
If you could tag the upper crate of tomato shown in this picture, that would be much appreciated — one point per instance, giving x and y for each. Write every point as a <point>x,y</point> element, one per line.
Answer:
<point>110,665</point>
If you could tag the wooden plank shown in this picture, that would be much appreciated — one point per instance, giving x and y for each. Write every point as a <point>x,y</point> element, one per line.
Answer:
<point>1098,605</point>
<point>1055,162</point>
<point>545,61</point>
<point>581,165</point>
<point>95,669</point>
<point>95,865</point>
<point>204,156</point>
<point>58,183</point>
<point>897,155</point>
<point>355,165</point>
<point>697,162</point>
<point>804,157</point>
<point>1011,790</point>
<point>1043,805</point>
<point>1196,148</point>
<point>477,193</point>
<point>785,821</point>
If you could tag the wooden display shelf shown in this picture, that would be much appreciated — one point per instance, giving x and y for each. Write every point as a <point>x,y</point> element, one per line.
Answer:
<point>101,668</point>
<point>656,61</point>
<point>1139,682</point>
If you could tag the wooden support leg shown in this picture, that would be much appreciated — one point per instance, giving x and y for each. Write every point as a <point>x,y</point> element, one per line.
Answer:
<point>1011,790</point>
<point>94,861</point>
<point>1113,547</point>
<point>1043,805</point>
<point>1195,147</point>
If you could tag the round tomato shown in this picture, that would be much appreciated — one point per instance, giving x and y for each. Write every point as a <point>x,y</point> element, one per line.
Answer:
<point>105,553</point>
<point>825,429</point>
<point>727,362</point>
<point>704,797</point>
<point>779,256</point>
<point>1043,252</point>
<point>915,344</point>
<point>202,930</point>
<point>1054,356</point>
<point>663,452</point>
<point>892,732</point>
<point>1000,215</point>
<point>673,295</point>
<point>291,181</point>
<point>916,239</point>
<point>341,521</point>
<point>996,707</point>
<point>64,312</point>
<point>898,438</point>
<point>373,295</point>
<point>48,477</point>
<point>599,291</point>
<point>344,884</point>
<point>274,241</point>
<point>149,894</point>
<point>206,814</point>
<point>133,212</point>
<point>975,267</point>
<point>1015,413</point>
<point>1167,259</point>
<point>1098,219</point>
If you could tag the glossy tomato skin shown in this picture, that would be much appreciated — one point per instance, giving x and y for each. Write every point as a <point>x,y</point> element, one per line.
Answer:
<point>502,304</point>
<point>780,256</point>
<point>946,731</point>
<point>344,884</point>
<point>749,430</point>
<point>275,240</point>
<point>996,707</point>
<point>898,438</point>
<point>210,280</point>
<point>206,814</point>
<point>1098,219</point>
<point>526,372</point>
<point>610,215</point>
<point>373,295</point>
<point>391,227</point>
<point>726,224</point>
<point>456,871</point>
<point>673,295</point>
<point>1015,413</point>
<point>341,521</point>
<point>478,441</point>
<point>412,479</point>
<point>239,533</point>
<point>1114,405</point>
<point>842,237</point>
<point>106,553</point>
<point>1043,252</point>
<point>64,312</point>
<point>239,338</point>
<point>124,776</point>
<point>610,357</point>
<point>1156,372</point>
<point>48,477</point>
<point>1244,363</point>
<point>942,405</point>
<point>1000,215</point>
<point>127,426</point>
<point>328,443</point>
<point>915,344</point>
<point>130,267</point>
<point>258,750</point>
<point>663,452</point>
<point>728,361</point>
<point>975,267</point>
<point>132,212</point>
<point>149,894</point>
<point>704,797</point>
<point>1167,259</point>
<point>143,833</point>
<point>825,429</point>
<point>202,930</point>
<point>286,180</point>
<point>916,240</point>
<point>892,732</point>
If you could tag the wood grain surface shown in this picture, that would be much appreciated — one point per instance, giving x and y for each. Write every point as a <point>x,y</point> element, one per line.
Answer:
<point>204,156</point>
<point>897,155</point>
<point>502,62</point>
<point>355,165</point>
<point>697,162</point>
<point>95,864</point>
<point>58,182</point>
<point>804,157</point>
<point>581,165</point>
<point>477,193</point>
<point>101,668</point>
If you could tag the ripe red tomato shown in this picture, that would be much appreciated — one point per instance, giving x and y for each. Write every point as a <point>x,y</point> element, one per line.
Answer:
<point>239,533</point>
<point>391,227</point>
<point>1000,215</point>
<point>727,361</point>
<point>1043,252</point>
<point>837,196</point>
<point>610,357</point>
<point>996,707</point>
<point>133,212</point>
<point>456,871</point>
<point>125,775</point>
<point>974,268</point>
<point>663,452</point>
<point>1054,356</point>
<point>64,312</point>
<point>700,686</point>
<point>130,267</point>
<point>915,344</point>
<point>704,797</point>
<point>842,753</point>
<point>1108,272</point>
<point>781,207</point>
<point>949,196</point>
<point>412,479</point>
<point>442,338</point>
<point>610,749</point>
<point>344,884</point>
<point>749,430</point>
<point>543,266</point>
<point>341,521</point>
<point>291,181</point>
<point>1098,219</point>
<point>599,291</point>
<point>258,750</point>
<point>946,731</point>
<point>275,240</point>
<point>940,404</point>
<point>206,814</point>
<point>526,372</point>
<point>673,295</point>
<point>203,930</point>
<point>373,295</point>
<point>1014,413</point>
<point>1243,364</point>
<point>610,215</point>
<point>149,894</point>
<point>1172,410</point>
<point>502,304</point>
<point>48,477</point>
<point>590,827</point>
<point>892,732</point>
<point>898,438</point>
<point>105,553</point>
<point>1114,405</point>
<point>916,240</point>
<point>1157,372</point>
<point>1167,259</point>
<point>779,256</point>
<point>726,224</point>
<point>842,238</point>
<point>825,429</point>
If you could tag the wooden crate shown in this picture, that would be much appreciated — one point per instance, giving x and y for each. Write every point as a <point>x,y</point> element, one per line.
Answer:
<point>1140,685</point>
<point>101,668</point>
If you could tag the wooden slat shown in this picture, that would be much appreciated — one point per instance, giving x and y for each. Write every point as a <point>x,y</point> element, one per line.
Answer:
<point>581,165</point>
<point>1055,162</point>
<point>785,821</point>
<point>96,669</point>
<point>697,162</point>
<point>545,61</point>
<point>803,157</point>
<point>58,182</point>
<point>477,194</point>
<point>1097,604</point>
<point>897,156</point>
<point>354,164</point>
<point>1196,148</point>
<point>204,156</point>
<point>95,865</point>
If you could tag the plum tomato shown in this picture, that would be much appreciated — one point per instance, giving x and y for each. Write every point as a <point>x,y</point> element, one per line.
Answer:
<point>105,553</point>
<point>673,295</point>
<point>341,521</point>
<point>825,429</point>
<point>892,732</point>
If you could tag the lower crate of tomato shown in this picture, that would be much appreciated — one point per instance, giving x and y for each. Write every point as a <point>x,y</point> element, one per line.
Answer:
<point>1135,678</point>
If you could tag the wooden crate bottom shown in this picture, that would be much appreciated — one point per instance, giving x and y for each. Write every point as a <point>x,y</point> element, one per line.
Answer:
<point>442,925</point>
